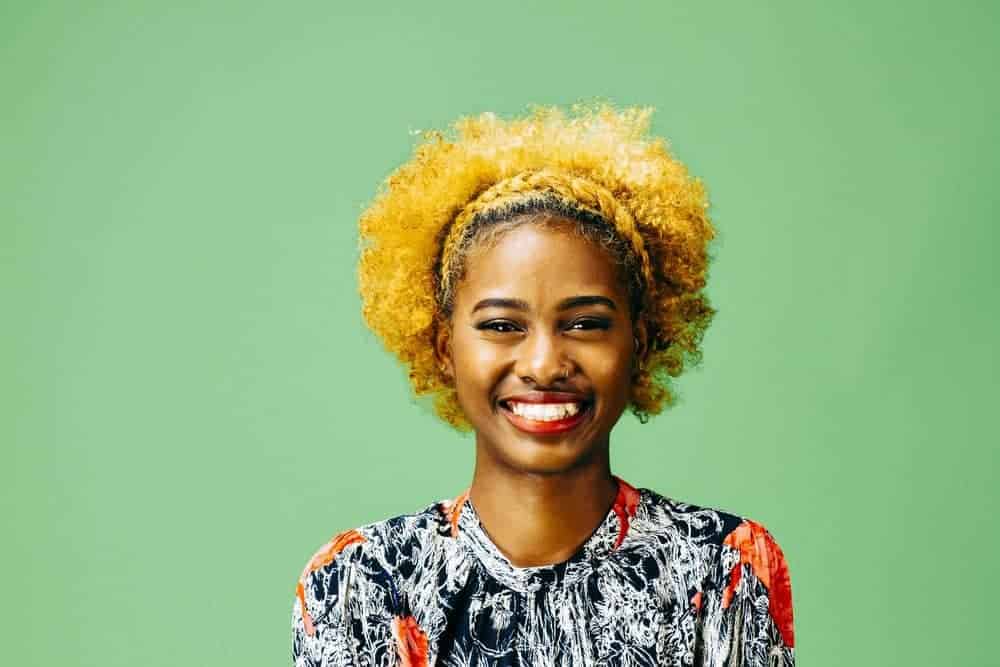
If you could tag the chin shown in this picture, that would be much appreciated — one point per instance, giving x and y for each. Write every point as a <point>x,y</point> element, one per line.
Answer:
<point>544,458</point>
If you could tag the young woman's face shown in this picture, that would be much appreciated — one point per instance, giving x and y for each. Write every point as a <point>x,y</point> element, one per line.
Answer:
<point>541,349</point>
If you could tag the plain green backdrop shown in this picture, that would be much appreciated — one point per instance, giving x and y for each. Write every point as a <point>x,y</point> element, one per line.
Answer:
<point>191,404</point>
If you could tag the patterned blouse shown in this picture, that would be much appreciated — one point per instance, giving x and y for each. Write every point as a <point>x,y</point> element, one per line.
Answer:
<point>660,582</point>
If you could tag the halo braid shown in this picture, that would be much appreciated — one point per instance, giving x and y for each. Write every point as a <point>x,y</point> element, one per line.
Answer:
<point>575,189</point>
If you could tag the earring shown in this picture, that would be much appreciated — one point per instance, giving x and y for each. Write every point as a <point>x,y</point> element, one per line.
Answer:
<point>640,363</point>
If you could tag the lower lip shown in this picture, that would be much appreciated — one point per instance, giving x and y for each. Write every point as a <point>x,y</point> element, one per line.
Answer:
<point>546,427</point>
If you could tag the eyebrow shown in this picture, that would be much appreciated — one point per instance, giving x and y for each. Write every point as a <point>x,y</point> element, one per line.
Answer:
<point>565,304</point>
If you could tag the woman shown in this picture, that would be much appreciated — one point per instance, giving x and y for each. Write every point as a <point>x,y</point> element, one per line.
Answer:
<point>538,277</point>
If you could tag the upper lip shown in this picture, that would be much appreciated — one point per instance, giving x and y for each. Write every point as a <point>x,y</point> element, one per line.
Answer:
<point>545,397</point>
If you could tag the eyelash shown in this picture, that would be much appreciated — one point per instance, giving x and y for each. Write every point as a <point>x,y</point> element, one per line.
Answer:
<point>596,324</point>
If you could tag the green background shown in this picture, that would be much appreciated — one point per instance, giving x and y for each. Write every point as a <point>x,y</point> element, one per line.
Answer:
<point>191,404</point>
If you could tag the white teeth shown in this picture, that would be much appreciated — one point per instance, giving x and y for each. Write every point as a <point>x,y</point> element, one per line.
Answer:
<point>544,412</point>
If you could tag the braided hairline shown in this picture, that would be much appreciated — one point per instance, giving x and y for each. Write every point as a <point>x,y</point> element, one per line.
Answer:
<point>486,228</point>
<point>579,195</point>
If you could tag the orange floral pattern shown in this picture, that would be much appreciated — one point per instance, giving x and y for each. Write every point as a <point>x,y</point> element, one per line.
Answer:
<point>411,642</point>
<point>696,602</point>
<point>626,504</point>
<point>320,559</point>
<point>452,509</point>
<point>758,549</point>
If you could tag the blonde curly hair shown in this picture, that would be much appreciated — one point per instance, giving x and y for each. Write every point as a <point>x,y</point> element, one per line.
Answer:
<point>592,162</point>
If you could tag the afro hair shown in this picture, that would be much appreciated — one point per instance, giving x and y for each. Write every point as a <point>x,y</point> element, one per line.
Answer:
<point>593,158</point>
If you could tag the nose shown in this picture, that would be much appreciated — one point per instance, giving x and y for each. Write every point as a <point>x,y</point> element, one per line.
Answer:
<point>542,360</point>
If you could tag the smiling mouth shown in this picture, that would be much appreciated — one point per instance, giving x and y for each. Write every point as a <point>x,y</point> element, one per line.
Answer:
<point>543,418</point>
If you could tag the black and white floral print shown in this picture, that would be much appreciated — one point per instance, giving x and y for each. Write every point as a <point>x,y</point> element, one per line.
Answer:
<point>660,582</point>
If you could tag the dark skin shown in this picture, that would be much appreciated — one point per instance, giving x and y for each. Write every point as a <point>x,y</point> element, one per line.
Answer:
<point>540,496</point>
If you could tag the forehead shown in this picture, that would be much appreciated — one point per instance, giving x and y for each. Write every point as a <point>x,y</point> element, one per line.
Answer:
<point>539,264</point>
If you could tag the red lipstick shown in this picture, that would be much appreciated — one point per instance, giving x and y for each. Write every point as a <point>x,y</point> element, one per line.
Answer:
<point>546,427</point>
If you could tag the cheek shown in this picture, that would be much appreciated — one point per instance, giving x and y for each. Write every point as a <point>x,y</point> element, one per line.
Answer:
<point>611,370</point>
<point>478,365</point>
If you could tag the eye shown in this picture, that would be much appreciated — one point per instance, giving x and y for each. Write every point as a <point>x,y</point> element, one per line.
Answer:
<point>589,323</point>
<point>500,326</point>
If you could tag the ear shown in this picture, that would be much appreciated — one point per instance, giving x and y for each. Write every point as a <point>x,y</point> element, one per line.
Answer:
<point>641,342</point>
<point>442,348</point>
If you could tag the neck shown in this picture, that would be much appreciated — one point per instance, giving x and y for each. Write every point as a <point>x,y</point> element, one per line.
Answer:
<point>541,519</point>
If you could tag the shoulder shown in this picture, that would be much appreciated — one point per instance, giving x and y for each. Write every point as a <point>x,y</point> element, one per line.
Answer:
<point>697,525</point>
<point>746,563</point>
<point>724,540</point>
<point>375,543</point>
<point>377,553</point>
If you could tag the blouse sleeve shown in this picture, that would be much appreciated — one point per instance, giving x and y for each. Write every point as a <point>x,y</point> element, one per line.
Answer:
<point>320,637</point>
<point>747,608</point>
